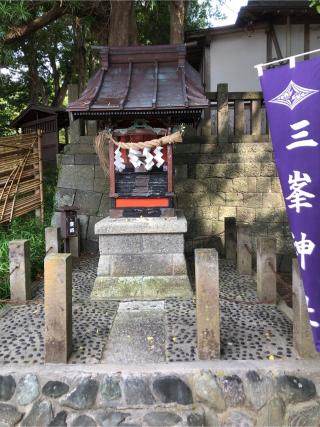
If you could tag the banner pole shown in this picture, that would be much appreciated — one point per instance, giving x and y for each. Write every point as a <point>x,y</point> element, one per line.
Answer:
<point>291,58</point>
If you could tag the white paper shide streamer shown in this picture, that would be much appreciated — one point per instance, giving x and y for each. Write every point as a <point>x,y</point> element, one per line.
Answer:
<point>118,160</point>
<point>134,157</point>
<point>148,164</point>
<point>158,156</point>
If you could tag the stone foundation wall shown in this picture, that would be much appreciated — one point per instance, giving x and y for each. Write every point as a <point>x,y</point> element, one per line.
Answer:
<point>198,394</point>
<point>239,180</point>
<point>212,182</point>
<point>82,182</point>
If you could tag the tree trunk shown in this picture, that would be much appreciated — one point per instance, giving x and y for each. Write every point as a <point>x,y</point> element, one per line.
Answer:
<point>123,26</point>
<point>177,9</point>
<point>30,54</point>
<point>81,53</point>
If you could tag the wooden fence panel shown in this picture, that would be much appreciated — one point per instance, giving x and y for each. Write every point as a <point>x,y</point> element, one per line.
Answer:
<point>238,116</point>
<point>20,176</point>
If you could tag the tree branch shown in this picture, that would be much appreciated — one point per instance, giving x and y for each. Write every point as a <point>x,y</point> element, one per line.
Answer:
<point>22,31</point>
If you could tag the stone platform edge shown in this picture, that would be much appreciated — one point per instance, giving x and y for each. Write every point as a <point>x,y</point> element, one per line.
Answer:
<point>216,393</point>
<point>141,287</point>
<point>152,225</point>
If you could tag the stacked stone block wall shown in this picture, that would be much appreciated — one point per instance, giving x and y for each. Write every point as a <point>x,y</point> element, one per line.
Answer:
<point>238,180</point>
<point>265,394</point>
<point>82,183</point>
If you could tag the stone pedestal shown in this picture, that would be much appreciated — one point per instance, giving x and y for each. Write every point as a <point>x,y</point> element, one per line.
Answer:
<point>141,258</point>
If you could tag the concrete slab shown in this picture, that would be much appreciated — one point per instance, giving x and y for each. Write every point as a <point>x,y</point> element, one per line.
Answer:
<point>141,305</point>
<point>142,333</point>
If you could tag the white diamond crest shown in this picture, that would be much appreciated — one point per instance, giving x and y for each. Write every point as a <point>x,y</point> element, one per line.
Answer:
<point>293,95</point>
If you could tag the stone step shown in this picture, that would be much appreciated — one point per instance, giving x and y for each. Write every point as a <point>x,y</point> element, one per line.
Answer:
<point>86,139</point>
<point>79,148</point>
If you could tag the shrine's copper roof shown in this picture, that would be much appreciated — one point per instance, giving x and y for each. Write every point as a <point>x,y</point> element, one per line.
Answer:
<point>142,80</point>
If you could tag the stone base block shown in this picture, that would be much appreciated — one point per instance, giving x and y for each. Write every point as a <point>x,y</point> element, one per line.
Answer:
<point>141,258</point>
<point>141,287</point>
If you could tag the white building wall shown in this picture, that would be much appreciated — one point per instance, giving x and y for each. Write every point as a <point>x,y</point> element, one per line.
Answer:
<point>233,56</point>
<point>296,40</point>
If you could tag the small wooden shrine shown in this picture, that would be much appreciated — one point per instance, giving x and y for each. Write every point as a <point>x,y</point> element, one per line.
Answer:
<point>141,95</point>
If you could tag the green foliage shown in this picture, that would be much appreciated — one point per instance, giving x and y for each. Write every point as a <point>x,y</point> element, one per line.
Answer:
<point>30,228</point>
<point>13,99</point>
<point>153,20</point>
<point>200,13</point>
<point>315,4</point>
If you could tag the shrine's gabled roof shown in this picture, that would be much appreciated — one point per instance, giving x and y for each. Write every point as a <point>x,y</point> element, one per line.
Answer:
<point>142,79</point>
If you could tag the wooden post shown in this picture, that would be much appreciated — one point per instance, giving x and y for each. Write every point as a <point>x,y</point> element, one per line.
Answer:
<point>256,117</point>
<point>230,238</point>
<point>239,117</point>
<point>206,124</point>
<point>53,240</point>
<point>207,301</point>
<point>20,270</point>
<point>223,112</point>
<point>58,307</point>
<point>302,335</point>
<point>266,270</point>
<point>244,250</point>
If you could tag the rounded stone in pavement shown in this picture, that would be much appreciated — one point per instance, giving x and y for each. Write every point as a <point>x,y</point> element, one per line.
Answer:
<point>111,419</point>
<point>195,420</point>
<point>9,415</point>
<point>137,391</point>
<point>7,387</point>
<point>27,389</point>
<point>207,390</point>
<point>83,396</point>
<point>258,388</point>
<point>110,389</point>
<point>40,415</point>
<point>172,389</point>
<point>303,415</point>
<point>84,421</point>
<point>162,419</point>
<point>239,419</point>
<point>55,389</point>
<point>59,420</point>
<point>233,391</point>
<point>294,389</point>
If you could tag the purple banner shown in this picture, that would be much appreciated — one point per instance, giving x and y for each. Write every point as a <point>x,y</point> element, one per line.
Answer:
<point>292,99</point>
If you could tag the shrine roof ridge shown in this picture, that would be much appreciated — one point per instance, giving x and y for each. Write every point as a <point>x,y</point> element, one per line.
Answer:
<point>141,78</point>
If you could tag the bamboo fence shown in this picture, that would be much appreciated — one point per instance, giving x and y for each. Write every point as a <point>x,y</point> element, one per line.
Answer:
<point>21,188</point>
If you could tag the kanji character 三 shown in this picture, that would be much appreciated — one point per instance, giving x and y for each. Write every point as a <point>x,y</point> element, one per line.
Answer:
<point>298,142</point>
